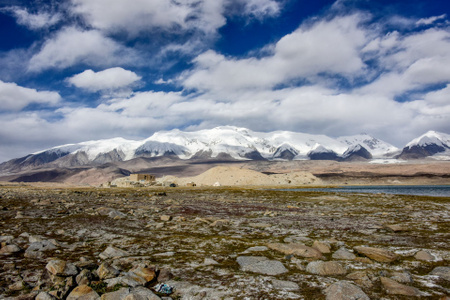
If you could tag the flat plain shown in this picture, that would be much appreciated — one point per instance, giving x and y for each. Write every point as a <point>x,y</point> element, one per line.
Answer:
<point>221,243</point>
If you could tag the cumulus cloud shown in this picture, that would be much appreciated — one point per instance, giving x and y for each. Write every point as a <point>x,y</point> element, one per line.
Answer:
<point>185,15</point>
<point>109,79</point>
<point>15,98</point>
<point>34,21</point>
<point>72,46</point>
<point>143,15</point>
<point>331,46</point>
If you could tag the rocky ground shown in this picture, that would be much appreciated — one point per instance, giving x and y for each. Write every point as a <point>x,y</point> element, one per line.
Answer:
<point>221,243</point>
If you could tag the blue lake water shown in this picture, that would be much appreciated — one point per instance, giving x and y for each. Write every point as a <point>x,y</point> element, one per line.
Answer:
<point>419,190</point>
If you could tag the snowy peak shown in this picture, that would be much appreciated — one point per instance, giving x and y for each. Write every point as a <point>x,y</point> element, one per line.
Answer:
<point>376,147</point>
<point>229,142</point>
<point>430,138</point>
<point>429,144</point>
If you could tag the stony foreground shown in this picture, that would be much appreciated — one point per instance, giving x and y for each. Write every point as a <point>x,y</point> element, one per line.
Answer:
<point>221,244</point>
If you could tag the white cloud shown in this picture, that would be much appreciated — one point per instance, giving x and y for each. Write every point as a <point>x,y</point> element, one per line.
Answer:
<point>109,79</point>
<point>410,62</point>
<point>72,46</point>
<point>431,20</point>
<point>36,21</point>
<point>261,8</point>
<point>185,15</point>
<point>324,47</point>
<point>144,15</point>
<point>15,98</point>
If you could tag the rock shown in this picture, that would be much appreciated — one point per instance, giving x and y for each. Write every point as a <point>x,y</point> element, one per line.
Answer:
<point>141,293</point>
<point>396,227</point>
<point>209,262</point>
<point>16,286</point>
<point>377,254</point>
<point>403,277</point>
<point>117,295</point>
<point>395,288</point>
<point>296,249</point>
<point>345,290</point>
<point>424,255</point>
<point>164,275</point>
<point>256,249</point>
<point>83,292</point>
<point>219,223</point>
<point>6,239</point>
<point>138,293</point>
<point>285,285</point>
<point>361,278</point>
<point>35,249</point>
<point>45,296</point>
<point>325,268</point>
<point>9,249</point>
<point>61,268</point>
<point>85,277</point>
<point>322,247</point>
<point>165,218</point>
<point>146,273</point>
<point>261,265</point>
<point>442,272</point>
<point>364,260</point>
<point>106,271</point>
<point>343,253</point>
<point>113,252</point>
<point>127,280</point>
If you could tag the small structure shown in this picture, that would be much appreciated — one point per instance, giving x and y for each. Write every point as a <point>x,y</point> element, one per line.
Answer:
<point>142,177</point>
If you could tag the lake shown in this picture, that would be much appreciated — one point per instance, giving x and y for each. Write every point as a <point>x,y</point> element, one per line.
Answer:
<point>419,190</point>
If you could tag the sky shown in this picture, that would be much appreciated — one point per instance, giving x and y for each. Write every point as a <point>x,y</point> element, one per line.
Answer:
<point>78,70</point>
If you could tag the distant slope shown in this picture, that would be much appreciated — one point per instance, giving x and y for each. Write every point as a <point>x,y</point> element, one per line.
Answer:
<point>428,144</point>
<point>226,142</point>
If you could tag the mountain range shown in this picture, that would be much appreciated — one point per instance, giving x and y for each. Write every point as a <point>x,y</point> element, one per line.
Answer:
<point>228,143</point>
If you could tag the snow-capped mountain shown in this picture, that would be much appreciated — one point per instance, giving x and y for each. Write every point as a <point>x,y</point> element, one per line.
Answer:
<point>430,144</point>
<point>228,142</point>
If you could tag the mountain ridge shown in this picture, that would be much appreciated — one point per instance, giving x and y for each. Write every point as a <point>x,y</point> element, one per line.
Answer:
<point>229,143</point>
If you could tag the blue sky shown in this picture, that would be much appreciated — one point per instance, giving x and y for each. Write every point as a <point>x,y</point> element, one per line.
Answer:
<point>78,70</point>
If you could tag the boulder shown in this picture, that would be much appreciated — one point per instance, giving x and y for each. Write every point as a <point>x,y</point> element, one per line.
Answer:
<point>442,272</point>
<point>424,255</point>
<point>146,273</point>
<point>285,285</point>
<point>322,247</point>
<point>83,292</point>
<point>394,288</point>
<point>325,268</point>
<point>377,254</point>
<point>345,290</point>
<point>113,252</point>
<point>343,253</point>
<point>137,293</point>
<point>261,265</point>
<point>9,249</point>
<point>106,271</point>
<point>296,249</point>
<point>59,267</point>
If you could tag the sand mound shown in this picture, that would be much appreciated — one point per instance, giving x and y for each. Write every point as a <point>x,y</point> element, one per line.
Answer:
<point>234,176</point>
